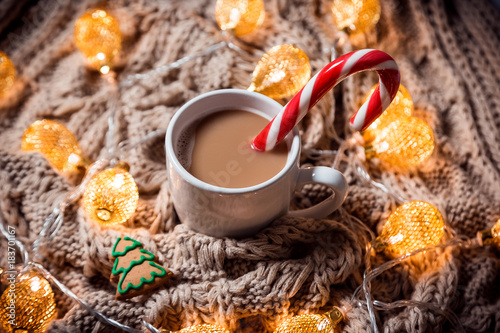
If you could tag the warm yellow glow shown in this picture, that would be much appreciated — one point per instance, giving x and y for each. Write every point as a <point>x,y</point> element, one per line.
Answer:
<point>281,72</point>
<point>7,73</point>
<point>312,323</point>
<point>405,142</point>
<point>98,37</point>
<point>495,232</point>
<point>104,69</point>
<point>34,304</point>
<point>239,16</point>
<point>55,142</point>
<point>204,328</point>
<point>111,196</point>
<point>401,106</point>
<point>412,226</point>
<point>356,15</point>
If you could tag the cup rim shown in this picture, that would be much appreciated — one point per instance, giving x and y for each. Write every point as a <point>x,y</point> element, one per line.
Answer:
<point>172,158</point>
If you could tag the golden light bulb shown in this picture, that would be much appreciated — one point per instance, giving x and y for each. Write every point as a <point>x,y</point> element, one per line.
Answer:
<point>7,73</point>
<point>111,196</point>
<point>203,328</point>
<point>356,15</point>
<point>495,231</point>
<point>401,106</point>
<point>239,16</point>
<point>412,226</point>
<point>311,323</point>
<point>56,143</point>
<point>406,142</point>
<point>491,236</point>
<point>98,37</point>
<point>28,305</point>
<point>281,72</point>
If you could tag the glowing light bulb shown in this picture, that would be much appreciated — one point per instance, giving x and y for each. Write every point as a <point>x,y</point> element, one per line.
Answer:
<point>312,323</point>
<point>400,107</point>
<point>32,302</point>
<point>98,37</point>
<point>239,16</point>
<point>406,142</point>
<point>56,143</point>
<point>281,72</point>
<point>356,15</point>
<point>495,231</point>
<point>203,328</point>
<point>491,236</point>
<point>111,196</point>
<point>412,226</point>
<point>7,73</point>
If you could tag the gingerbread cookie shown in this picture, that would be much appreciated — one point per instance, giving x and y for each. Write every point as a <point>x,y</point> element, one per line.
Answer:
<point>135,270</point>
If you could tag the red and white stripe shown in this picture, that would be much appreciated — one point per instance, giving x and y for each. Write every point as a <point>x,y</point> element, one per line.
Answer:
<point>325,80</point>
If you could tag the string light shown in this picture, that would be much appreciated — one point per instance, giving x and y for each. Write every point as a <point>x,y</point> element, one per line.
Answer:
<point>239,16</point>
<point>31,302</point>
<point>401,106</point>
<point>312,323</point>
<point>281,72</point>
<point>495,232</point>
<point>406,142</point>
<point>491,236</point>
<point>356,15</point>
<point>98,37</point>
<point>412,226</point>
<point>56,143</point>
<point>7,73</point>
<point>203,328</point>
<point>111,196</point>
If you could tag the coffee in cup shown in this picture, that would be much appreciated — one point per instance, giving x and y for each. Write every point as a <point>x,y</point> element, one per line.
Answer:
<point>217,150</point>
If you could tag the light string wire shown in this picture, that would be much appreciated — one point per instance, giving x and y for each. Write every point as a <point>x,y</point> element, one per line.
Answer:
<point>151,328</point>
<point>362,173</point>
<point>102,318</point>
<point>56,218</point>
<point>342,43</point>
<point>22,249</point>
<point>132,78</point>
<point>359,168</point>
<point>28,265</point>
<point>54,221</point>
<point>365,176</point>
<point>370,274</point>
<point>114,153</point>
<point>229,40</point>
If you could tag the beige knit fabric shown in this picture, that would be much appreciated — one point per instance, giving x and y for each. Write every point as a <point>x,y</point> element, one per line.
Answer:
<point>449,57</point>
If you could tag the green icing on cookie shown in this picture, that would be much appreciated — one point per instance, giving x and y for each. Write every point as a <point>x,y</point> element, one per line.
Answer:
<point>134,245</point>
<point>145,256</point>
<point>143,280</point>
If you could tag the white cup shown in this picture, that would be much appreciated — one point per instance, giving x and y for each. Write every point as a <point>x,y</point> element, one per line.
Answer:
<point>238,212</point>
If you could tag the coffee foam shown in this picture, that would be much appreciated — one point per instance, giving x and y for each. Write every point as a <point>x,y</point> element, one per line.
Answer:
<point>185,144</point>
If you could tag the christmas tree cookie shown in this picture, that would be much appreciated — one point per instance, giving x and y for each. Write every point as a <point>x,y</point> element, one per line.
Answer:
<point>135,270</point>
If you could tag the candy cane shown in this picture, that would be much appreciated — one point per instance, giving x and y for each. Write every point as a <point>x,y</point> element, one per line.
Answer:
<point>326,79</point>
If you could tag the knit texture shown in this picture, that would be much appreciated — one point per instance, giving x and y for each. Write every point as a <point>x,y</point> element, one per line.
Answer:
<point>449,59</point>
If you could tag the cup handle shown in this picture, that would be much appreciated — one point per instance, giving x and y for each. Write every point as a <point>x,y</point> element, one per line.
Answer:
<point>327,176</point>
